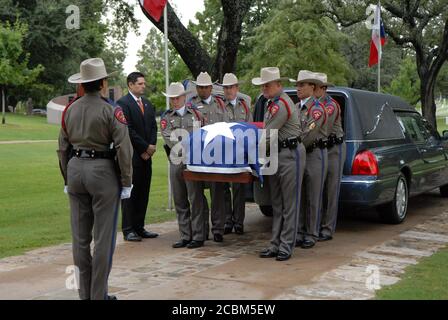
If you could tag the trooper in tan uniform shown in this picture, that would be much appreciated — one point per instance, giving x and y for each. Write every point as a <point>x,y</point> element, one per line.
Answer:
<point>336,159</point>
<point>313,119</point>
<point>89,126</point>
<point>188,195</point>
<point>237,111</point>
<point>213,110</point>
<point>286,183</point>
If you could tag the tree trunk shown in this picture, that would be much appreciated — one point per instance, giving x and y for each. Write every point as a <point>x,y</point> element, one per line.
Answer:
<point>191,51</point>
<point>427,87</point>
<point>3,106</point>
<point>230,36</point>
<point>188,47</point>
<point>428,69</point>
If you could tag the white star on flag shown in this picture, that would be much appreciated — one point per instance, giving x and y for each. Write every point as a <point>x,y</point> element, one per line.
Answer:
<point>218,129</point>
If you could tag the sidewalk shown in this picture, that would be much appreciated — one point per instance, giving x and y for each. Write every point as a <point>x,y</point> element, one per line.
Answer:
<point>232,270</point>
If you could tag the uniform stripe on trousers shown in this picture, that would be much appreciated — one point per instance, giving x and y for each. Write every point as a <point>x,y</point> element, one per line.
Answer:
<point>319,211</point>
<point>114,238</point>
<point>339,185</point>
<point>298,197</point>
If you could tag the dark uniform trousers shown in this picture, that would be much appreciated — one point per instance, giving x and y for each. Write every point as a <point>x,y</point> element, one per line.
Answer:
<point>191,222</point>
<point>206,210</point>
<point>218,207</point>
<point>313,186</point>
<point>336,159</point>
<point>285,188</point>
<point>94,193</point>
<point>235,204</point>
<point>137,204</point>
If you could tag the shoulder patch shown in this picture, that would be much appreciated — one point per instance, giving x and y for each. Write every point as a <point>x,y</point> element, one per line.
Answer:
<point>119,115</point>
<point>163,124</point>
<point>317,114</point>
<point>274,109</point>
<point>330,109</point>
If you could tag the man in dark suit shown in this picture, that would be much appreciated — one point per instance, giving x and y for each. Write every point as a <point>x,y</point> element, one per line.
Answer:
<point>140,115</point>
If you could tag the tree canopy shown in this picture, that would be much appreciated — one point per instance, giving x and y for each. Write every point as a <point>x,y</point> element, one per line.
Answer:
<point>418,26</point>
<point>241,36</point>
<point>14,70</point>
<point>59,49</point>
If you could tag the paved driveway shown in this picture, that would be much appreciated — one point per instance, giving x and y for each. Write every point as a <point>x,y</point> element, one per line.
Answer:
<point>232,270</point>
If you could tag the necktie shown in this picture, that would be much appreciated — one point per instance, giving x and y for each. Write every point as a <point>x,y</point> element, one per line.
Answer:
<point>140,104</point>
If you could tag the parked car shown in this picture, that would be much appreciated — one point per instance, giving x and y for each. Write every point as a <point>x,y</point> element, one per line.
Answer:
<point>39,112</point>
<point>393,153</point>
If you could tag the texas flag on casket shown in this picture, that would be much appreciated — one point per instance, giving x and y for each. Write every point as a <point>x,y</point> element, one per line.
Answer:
<point>224,148</point>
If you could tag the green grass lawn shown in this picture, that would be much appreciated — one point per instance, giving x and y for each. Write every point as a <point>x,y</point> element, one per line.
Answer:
<point>20,127</point>
<point>428,280</point>
<point>34,211</point>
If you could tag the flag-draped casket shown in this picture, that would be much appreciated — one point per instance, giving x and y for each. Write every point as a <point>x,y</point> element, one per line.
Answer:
<point>226,152</point>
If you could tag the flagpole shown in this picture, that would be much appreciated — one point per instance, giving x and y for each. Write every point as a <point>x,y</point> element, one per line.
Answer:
<point>379,74</point>
<point>380,49</point>
<point>167,100</point>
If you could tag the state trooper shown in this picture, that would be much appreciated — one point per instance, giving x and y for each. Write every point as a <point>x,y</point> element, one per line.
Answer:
<point>286,183</point>
<point>237,111</point>
<point>313,118</point>
<point>89,126</point>
<point>187,195</point>
<point>213,110</point>
<point>336,159</point>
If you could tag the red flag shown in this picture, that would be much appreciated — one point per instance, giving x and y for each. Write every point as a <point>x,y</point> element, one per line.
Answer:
<point>154,8</point>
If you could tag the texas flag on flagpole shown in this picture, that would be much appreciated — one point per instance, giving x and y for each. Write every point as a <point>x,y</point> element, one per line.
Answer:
<point>154,8</point>
<point>378,38</point>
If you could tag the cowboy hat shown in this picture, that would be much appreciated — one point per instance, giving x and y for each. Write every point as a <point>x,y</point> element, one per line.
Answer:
<point>176,89</point>
<point>90,70</point>
<point>267,75</point>
<point>203,80</point>
<point>230,80</point>
<point>324,79</point>
<point>308,77</point>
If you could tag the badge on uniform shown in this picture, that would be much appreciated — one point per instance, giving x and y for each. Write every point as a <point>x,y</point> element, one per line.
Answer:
<point>317,114</point>
<point>119,115</point>
<point>274,109</point>
<point>330,109</point>
<point>163,124</point>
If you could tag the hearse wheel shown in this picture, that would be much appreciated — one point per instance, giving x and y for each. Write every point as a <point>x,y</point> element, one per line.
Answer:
<point>395,212</point>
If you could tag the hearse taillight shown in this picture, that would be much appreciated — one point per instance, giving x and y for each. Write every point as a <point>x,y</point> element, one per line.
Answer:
<point>365,164</point>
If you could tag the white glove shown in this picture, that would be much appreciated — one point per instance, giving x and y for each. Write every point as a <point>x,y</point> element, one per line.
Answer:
<point>126,192</point>
<point>65,189</point>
